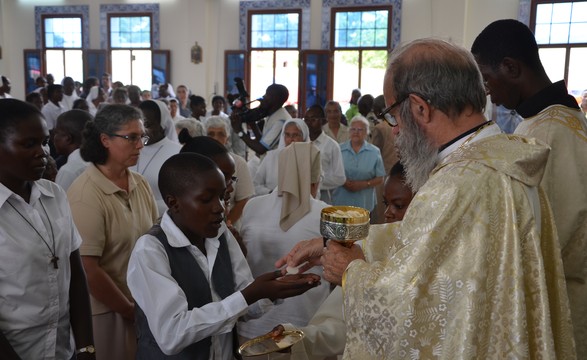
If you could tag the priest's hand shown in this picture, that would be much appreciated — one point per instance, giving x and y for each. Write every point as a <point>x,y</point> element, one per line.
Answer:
<point>336,258</point>
<point>308,251</point>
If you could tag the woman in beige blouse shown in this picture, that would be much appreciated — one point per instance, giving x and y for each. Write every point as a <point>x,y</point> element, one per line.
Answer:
<point>112,207</point>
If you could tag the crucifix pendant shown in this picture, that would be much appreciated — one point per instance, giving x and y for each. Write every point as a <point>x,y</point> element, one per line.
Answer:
<point>54,260</point>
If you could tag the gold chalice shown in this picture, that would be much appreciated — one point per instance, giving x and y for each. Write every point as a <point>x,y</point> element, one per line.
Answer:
<point>344,224</point>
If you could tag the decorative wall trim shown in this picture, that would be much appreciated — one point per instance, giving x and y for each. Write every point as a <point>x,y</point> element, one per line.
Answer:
<point>396,17</point>
<point>128,8</point>
<point>524,11</point>
<point>84,10</point>
<point>246,5</point>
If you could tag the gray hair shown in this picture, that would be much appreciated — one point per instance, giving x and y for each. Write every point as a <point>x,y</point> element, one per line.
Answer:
<point>444,74</point>
<point>216,122</point>
<point>362,119</point>
<point>108,120</point>
<point>191,126</point>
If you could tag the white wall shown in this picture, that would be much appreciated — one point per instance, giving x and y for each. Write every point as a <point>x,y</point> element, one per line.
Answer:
<point>214,24</point>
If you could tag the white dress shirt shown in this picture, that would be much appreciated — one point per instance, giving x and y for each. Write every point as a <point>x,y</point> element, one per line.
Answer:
<point>74,166</point>
<point>331,161</point>
<point>51,112</point>
<point>34,296</point>
<point>68,100</point>
<point>164,303</point>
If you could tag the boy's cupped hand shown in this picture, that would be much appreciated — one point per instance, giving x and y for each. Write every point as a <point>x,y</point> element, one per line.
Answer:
<point>273,285</point>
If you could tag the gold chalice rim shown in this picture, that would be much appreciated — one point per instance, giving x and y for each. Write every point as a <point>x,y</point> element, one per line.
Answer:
<point>327,214</point>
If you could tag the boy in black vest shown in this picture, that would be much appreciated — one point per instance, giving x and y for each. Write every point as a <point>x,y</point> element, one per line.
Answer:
<point>188,276</point>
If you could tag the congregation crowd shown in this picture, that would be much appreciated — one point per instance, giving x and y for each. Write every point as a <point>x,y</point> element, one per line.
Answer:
<point>146,224</point>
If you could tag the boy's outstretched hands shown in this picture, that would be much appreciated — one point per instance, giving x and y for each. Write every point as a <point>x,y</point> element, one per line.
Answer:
<point>274,285</point>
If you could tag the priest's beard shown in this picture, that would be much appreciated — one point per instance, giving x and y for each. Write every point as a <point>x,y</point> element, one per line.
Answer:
<point>417,154</point>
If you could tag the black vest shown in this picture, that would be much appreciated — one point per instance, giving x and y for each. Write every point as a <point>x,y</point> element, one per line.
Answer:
<point>191,279</point>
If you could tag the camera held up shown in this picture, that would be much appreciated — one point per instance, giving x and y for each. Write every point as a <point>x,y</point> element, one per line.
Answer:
<point>239,106</point>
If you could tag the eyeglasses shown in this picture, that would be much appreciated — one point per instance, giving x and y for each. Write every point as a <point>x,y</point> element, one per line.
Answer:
<point>133,138</point>
<point>356,129</point>
<point>389,118</point>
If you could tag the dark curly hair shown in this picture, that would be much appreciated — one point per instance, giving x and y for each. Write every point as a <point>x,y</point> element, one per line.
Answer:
<point>108,120</point>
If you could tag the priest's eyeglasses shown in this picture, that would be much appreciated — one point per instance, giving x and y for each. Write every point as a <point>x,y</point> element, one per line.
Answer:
<point>389,118</point>
<point>133,138</point>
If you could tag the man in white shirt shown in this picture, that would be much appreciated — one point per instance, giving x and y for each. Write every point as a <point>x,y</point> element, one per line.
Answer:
<point>67,140</point>
<point>69,94</point>
<point>52,109</point>
<point>271,107</point>
<point>330,156</point>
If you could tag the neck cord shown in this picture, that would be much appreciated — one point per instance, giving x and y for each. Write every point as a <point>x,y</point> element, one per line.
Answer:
<point>148,162</point>
<point>54,257</point>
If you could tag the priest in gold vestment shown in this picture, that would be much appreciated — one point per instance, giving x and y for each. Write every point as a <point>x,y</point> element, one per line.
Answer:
<point>507,55</point>
<point>474,270</point>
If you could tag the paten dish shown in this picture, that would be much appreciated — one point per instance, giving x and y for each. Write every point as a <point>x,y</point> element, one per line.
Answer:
<point>266,344</point>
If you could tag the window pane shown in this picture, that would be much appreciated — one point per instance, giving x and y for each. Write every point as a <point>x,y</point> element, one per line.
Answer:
<point>346,76</point>
<point>578,33</point>
<point>63,32</point>
<point>553,60</point>
<point>367,37</point>
<point>340,38</point>
<point>361,29</point>
<point>544,14</point>
<point>353,38</point>
<point>275,30</point>
<point>579,12</point>
<point>287,72</point>
<point>559,34</point>
<point>280,39</point>
<point>261,72</point>
<point>373,67</point>
<point>74,65</point>
<point>577,71</point>
<point>368,19</point>
<point>130,32</point>
<point>55,64</point>
<point>381,37</point>
<point>542,34</point>
<point>292,39</point>
<point>341,20</point>
<point>121,67</point>
<point>561,13</point>
<point>354,21</point>
<point>141,69</point>
<point>382,18</point>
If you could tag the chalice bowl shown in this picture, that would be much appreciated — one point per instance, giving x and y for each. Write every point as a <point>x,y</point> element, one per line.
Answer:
<point>344,224</point>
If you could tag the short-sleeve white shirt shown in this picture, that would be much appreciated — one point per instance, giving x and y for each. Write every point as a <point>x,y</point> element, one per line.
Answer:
<point>34,296</point>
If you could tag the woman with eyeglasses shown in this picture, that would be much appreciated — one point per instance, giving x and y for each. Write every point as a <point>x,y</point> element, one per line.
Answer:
<point>363,167</point>
<point>265,179</point>
<point>112,207</point>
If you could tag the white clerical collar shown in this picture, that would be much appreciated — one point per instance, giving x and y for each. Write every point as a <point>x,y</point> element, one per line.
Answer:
<point>485,132</point>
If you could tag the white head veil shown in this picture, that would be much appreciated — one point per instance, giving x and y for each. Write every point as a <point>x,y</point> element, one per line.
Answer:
<point>301,125</point>
<point>166,121</point>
